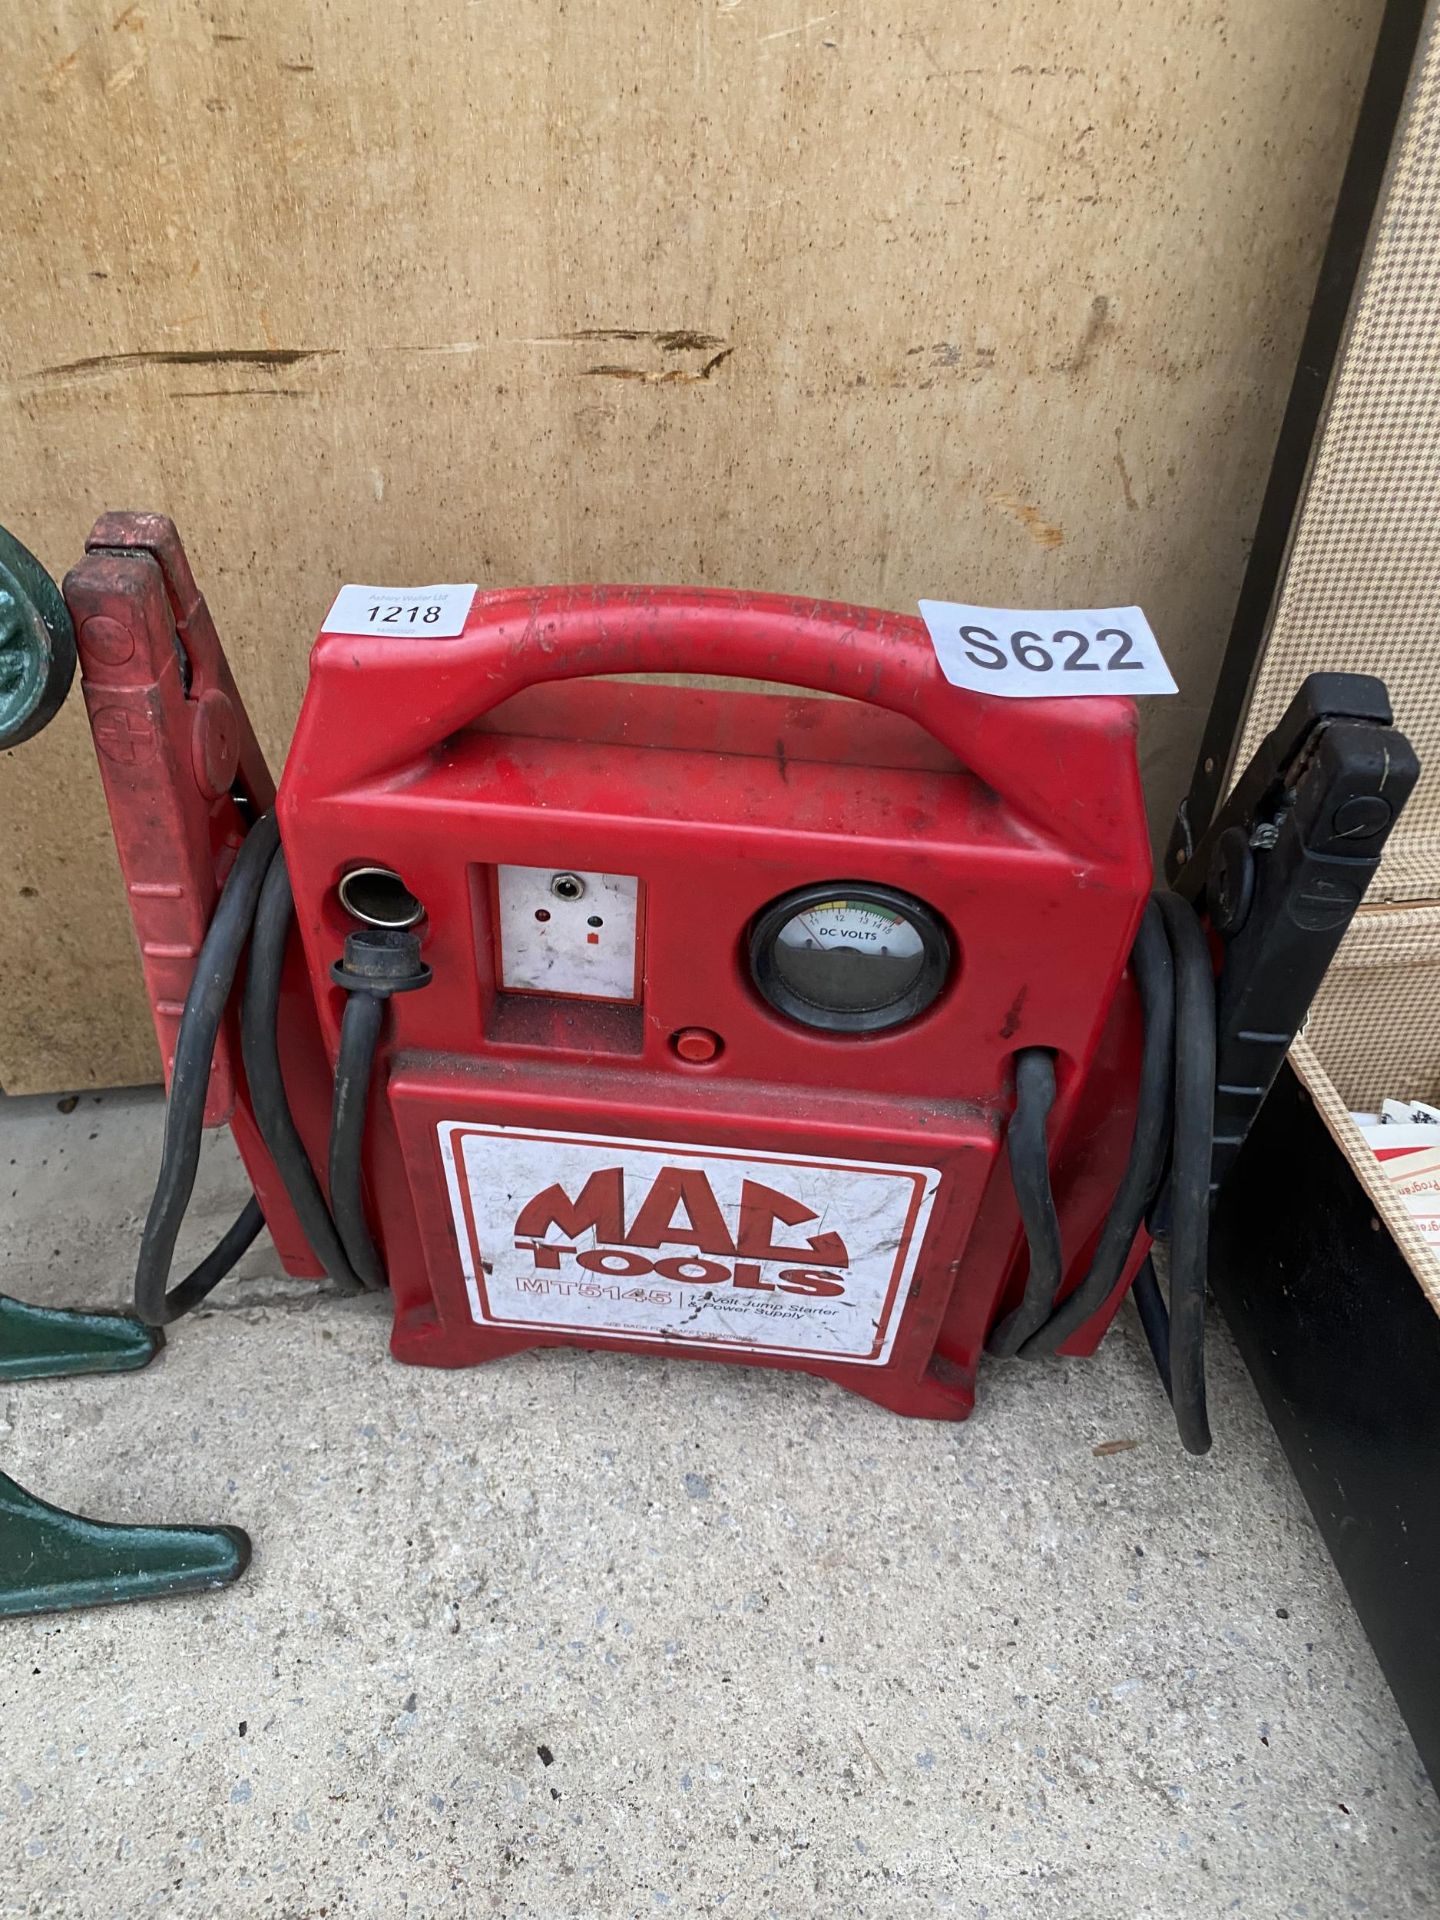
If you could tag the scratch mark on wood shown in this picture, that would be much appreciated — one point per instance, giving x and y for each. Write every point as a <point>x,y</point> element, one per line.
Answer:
<point>1097,324</point>
<point>60,72</point>
<point>125,75</point>
<point>944,353</point>
<point>99,364</point>
<point>237,393</point>
<point>786,33</point>
<point>1130,501</point>
<point>440,347</point>
<point>663,376</point>
<point>668,339</point>
<point>1042,531</point>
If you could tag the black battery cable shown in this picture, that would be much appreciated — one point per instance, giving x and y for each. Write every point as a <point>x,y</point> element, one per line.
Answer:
<point>260,1050</point>
<point>1170,1143</point>
<point>378,961</point>
<point>256,906</point>
<point>1166,1182</point>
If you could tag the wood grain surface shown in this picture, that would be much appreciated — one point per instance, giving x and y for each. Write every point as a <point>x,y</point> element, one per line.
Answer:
<point>995,301</point>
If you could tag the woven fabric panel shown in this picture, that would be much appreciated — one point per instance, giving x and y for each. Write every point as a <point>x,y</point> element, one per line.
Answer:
<point>1361,587</point>
<point>1376,1021</point>
<point>1360,592</point>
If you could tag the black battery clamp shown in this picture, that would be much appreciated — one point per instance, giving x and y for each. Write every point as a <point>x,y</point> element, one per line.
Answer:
<point>1281,870</point>
<point>1226,964</point>
<point>1277,876</point>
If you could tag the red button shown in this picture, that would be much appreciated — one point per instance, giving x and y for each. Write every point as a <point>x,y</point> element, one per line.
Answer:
<point>696,1044</point>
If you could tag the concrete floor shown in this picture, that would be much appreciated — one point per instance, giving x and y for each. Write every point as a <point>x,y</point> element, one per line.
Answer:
<point>581,1636</point>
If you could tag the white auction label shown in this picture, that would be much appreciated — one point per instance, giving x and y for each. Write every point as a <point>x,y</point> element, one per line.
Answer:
<point>439,613</point>
<point>710,1246</point>
<point>1021,654</point>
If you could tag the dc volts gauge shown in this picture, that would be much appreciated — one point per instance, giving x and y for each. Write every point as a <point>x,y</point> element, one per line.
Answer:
<point>847,957</point>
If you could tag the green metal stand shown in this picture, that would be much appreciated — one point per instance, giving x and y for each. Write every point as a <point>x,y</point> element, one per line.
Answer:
<point>37,1343</point>
<point>51,1560</point>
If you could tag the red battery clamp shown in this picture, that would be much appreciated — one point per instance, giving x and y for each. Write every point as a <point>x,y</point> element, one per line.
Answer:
<point>830,1034</point>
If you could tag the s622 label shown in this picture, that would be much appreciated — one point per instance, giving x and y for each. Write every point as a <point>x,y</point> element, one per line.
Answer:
<point>1022,654</point>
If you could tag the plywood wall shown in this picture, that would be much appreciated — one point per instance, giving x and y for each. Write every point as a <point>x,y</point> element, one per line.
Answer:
<point>995,301</point>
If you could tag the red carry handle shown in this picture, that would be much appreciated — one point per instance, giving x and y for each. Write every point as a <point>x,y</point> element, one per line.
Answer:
<point>377,702</point>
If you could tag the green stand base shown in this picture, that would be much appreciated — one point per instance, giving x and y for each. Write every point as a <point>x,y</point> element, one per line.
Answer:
<point>37,1343</point>
<point>50,1560</point>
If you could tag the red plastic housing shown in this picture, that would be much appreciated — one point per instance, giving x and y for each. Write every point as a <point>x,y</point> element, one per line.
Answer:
<point>1019,823</point>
